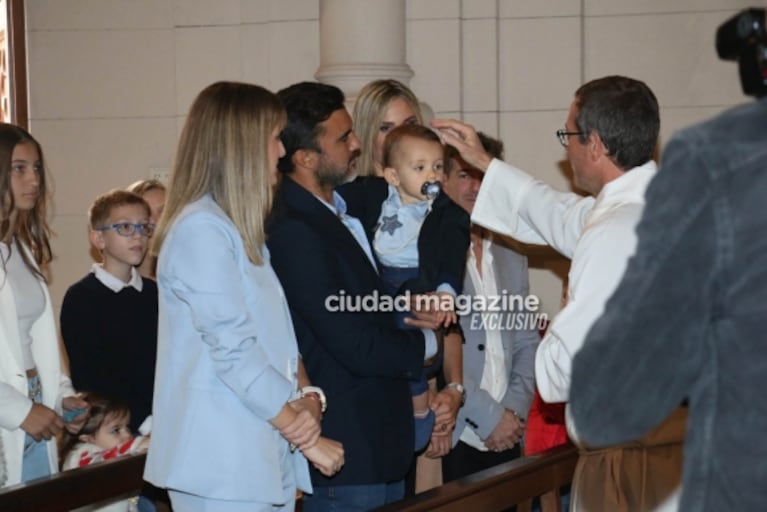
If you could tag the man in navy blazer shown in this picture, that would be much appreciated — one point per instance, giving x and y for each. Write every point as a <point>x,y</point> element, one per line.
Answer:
<point>326,266</point>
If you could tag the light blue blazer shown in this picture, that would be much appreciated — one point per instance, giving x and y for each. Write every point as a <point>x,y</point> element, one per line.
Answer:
<point>226,363</point>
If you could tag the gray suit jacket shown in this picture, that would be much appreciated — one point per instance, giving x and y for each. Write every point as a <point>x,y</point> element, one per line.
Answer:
<point>481,412</point>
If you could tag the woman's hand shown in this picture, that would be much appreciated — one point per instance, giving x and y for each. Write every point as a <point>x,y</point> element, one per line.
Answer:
<point>308,404</point>
<point>42,423</point>
<point>326,455</point>
<point>304,430</point>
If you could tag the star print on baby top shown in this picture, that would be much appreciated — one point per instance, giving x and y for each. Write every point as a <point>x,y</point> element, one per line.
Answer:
<point>396,234</point>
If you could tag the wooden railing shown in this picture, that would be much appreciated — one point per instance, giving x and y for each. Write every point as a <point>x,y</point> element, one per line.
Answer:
<point>498,488</point>
<point>491,490</point>
<point>75,488</point>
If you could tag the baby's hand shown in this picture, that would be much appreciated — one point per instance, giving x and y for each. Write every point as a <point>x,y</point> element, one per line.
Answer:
<point>446,314</point>
<point>143,445</point>
<point>74,413</point>
<point>450,319</point>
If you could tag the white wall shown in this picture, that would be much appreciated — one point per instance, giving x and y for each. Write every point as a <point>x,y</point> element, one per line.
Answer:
<point>111,80</point>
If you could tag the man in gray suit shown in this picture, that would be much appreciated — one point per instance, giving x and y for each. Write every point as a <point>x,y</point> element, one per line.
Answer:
<point>499,349</point>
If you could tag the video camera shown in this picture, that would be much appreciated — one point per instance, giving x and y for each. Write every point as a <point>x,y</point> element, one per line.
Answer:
<point>743,38</point>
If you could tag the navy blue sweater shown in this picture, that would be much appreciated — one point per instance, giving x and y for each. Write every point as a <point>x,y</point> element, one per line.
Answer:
<point>111,340</point>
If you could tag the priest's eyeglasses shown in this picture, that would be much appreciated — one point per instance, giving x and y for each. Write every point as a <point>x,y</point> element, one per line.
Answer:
<point>563,134</point>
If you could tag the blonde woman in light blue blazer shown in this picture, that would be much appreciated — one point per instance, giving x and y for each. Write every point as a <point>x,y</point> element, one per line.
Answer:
<point>232,430</point>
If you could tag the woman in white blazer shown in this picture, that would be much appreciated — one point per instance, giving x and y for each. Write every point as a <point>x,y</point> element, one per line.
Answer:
<point>231,426</point>
<point>33,383</point>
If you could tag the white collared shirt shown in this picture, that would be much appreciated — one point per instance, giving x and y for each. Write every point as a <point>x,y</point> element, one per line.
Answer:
<point>495,378</point>
<point>353,224</point>
<point>115,284</point>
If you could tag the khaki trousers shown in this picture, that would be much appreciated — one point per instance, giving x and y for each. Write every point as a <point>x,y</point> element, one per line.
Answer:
<point>639,476</point>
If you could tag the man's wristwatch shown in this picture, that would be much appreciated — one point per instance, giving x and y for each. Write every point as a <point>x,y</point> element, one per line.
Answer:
<point>315,393</point>
<point>458,387</point>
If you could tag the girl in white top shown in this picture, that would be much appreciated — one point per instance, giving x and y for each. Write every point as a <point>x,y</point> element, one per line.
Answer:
<point>33,387</point>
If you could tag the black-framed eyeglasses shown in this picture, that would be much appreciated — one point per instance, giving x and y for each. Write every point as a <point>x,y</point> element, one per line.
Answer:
<point>563,134</point>
<point>129,229</point>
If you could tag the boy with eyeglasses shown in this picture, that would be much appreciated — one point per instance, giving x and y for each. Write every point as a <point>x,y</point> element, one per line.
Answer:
<point>109,318</point>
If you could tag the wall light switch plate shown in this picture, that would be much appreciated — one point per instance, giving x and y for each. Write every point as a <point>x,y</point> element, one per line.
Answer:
<point>161,174</point>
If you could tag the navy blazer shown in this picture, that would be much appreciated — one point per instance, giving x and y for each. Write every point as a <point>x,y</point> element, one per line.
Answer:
<point>442,241</point>
<point>360,359</point>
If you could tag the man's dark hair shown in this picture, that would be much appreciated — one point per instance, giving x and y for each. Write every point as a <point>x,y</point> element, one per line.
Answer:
<point>624,112</point>
<point>493,146</point>
<point>308,104</point>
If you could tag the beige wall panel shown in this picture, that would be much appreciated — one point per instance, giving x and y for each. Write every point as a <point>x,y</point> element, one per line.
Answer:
<point>540,62</point>
<point>610,7</point>
<point>483,121</point>
<point>673,53</point>
<point>89,157</point>
<point>295,52</point>
<point>95,74</point>
<point>480,65</point>
<point>478,9</point>
<point>98,14</point>
<point>283,10</point>
<point>71,256</point>
<point>531,145</point>
<point>433,52</point>
<point>203,13</point>
<point>538,8</point>
<point>205,55</point>
<point>432,9</point>
<point>675,119</point>
<point>256,53</point>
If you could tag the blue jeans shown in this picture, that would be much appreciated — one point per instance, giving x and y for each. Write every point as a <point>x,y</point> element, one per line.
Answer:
<point>353,498</point>
<point>146,505</point>
<point>36,463</point>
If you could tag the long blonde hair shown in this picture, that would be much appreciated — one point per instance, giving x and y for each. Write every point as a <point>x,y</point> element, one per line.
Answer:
<point>370,109</point>
<point>223,151</point>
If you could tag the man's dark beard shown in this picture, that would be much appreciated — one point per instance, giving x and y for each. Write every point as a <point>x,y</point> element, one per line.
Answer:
<point>327,176</point>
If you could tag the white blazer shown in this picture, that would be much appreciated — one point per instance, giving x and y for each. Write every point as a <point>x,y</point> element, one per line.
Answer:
<point>14,401</point>
<point>226,363</point>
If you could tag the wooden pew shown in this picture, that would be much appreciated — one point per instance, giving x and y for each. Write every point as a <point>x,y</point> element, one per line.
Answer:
<point>494,489</point>
<point>499,488</point>
<point>75,488</point>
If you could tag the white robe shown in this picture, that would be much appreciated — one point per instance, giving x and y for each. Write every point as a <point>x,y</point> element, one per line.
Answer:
<point>596,234</point>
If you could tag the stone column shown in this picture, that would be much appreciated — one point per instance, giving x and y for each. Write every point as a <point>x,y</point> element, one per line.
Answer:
<point>362,41</point>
